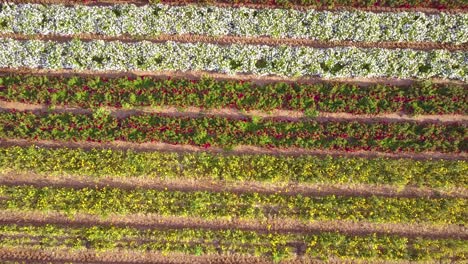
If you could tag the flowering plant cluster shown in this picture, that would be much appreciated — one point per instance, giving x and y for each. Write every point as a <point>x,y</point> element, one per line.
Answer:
<point>233,59</point>
<point>222,204</point>
<point>439,4</point>
<point>272,169</point>
<point>153,20</point>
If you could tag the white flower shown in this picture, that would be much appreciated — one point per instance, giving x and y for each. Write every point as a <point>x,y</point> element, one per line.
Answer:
<point>153,20</point>
<point>263,60</point>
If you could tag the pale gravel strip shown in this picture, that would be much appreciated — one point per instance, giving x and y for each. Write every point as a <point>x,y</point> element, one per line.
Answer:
<point>40,180</point>
<point>239,150</point>
<point>285,225</point>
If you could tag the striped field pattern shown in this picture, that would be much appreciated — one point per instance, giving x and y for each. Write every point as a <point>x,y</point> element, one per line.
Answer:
<point>251,131</point>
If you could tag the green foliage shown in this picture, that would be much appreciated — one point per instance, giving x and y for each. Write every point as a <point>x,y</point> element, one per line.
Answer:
<point>212,205</point>
<point>216,131</point>
<point>265,168</point>
<point>421,98</point>
<point>276,246</point>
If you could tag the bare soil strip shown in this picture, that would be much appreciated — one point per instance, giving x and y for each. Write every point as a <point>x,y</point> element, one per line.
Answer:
<point>227,40</point>
<point>32,255</point>
<point>196,75</point>
<point>376,9</point>
<point>238,150</point>
<point>284,225</point>
<point>279,115</point>
<point>239,187</point>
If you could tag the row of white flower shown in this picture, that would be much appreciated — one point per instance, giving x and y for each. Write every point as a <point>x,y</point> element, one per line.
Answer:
<point>233,59</point>
<point>152,20</point>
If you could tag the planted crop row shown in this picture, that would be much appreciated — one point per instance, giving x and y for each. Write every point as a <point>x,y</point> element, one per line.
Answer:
<point>439,4</point>
<point>154,20</point>
<point>198,242</point>
<point>420,98</point>
<point>266,168</point>
<point>236,58</point>
<point>227,133</point>
<point>211,205</point>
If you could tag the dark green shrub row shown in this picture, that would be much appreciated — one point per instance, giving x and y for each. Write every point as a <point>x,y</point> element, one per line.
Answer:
<point>420,98</point>
<point>227,133</point>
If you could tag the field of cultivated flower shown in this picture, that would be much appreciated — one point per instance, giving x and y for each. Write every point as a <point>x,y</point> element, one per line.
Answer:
<point>233,131</point>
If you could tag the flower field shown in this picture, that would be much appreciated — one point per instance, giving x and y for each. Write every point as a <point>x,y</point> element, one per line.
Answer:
<point>233,131</point>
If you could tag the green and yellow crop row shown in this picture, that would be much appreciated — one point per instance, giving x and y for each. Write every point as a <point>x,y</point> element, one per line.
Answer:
<point>264,168</point>
<point>210,205</point>
<point>199,241</point>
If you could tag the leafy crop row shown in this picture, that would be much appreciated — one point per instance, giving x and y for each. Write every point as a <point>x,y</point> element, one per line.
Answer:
<point>233,59</point>
<point>420,98</point>
<point>210,205</point>
<point>153,20</point>
<point>266,168</point>
<point>439,4</point>
<point>227,133</point>
<point>197,242</point>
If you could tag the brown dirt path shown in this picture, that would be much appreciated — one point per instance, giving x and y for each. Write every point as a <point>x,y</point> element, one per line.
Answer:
<point>239,187</point>
<point>196,75</point>
<point>239,150</point>
<point>375,9</point>
<point>227,40</point>
<point>284,225</point>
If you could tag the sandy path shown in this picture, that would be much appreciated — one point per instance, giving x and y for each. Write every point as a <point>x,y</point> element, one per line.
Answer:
<point>227,40</point>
